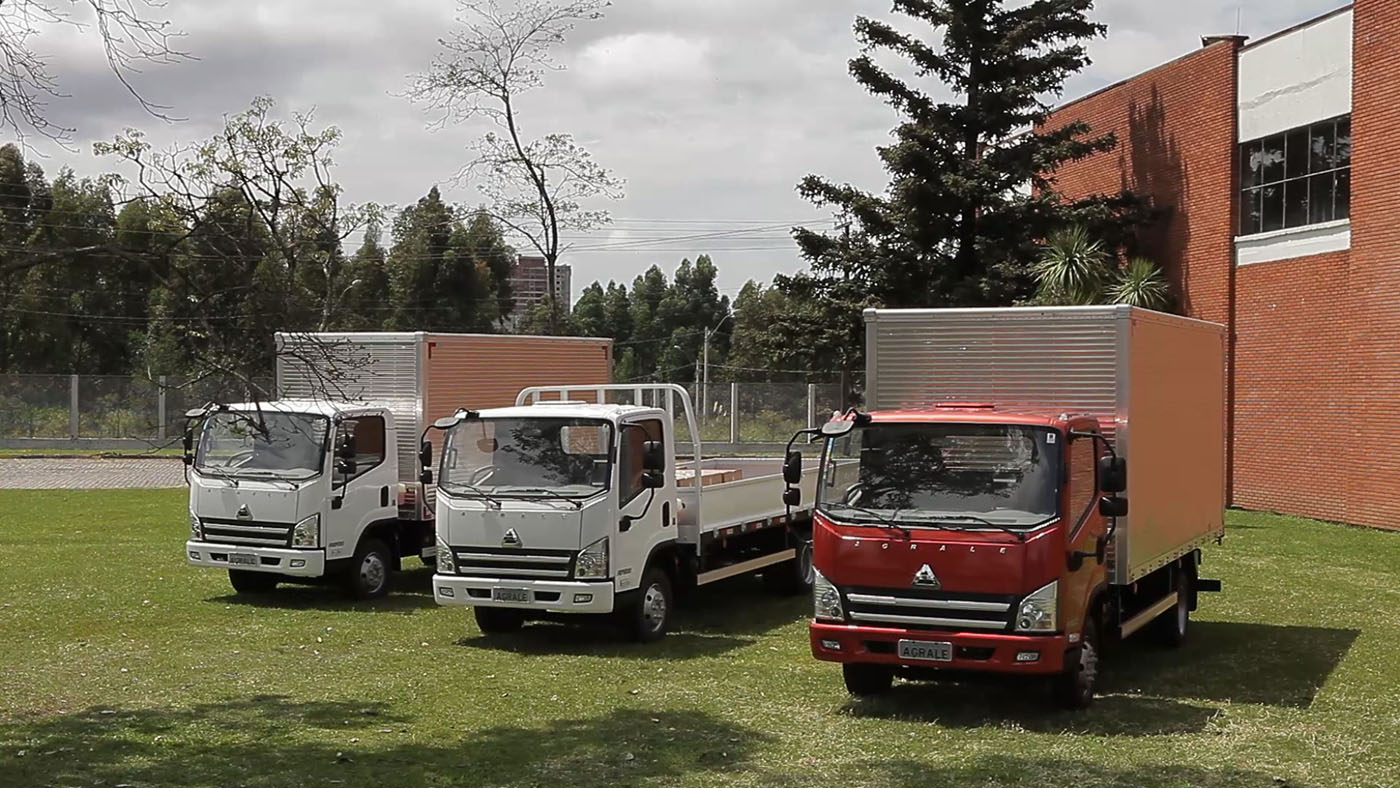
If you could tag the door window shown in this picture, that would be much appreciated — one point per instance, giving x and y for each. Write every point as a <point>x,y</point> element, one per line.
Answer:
<point>629,461</point>
<point>1083,478</point>
<point>366,435</point>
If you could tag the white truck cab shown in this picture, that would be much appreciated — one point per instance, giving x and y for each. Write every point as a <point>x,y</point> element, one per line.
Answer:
<point>564,506</point>
<point>299,490</point>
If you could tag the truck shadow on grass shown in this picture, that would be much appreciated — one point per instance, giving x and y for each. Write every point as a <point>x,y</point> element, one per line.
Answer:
<point>271,740</point>
<point>410,591</point>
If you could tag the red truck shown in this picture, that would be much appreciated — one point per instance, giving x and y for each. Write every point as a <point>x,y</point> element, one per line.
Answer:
<point>1029,485</point>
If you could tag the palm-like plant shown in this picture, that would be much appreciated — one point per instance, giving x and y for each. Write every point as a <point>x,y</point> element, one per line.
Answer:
<point>1141,283</point>
<point>1073,269</point>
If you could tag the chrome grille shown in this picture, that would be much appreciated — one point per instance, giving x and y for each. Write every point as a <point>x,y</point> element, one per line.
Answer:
<point>523,564</point>
<point>255,534</point>
<point>929,610</point>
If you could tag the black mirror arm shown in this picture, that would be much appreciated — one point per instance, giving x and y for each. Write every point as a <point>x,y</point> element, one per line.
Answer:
<point>1097,437</point>
<point>625,524</point>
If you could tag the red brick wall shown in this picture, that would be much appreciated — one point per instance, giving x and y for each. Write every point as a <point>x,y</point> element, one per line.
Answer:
<point>1372,310</point>
<point>1176,145</point>
<point>1290,387</point>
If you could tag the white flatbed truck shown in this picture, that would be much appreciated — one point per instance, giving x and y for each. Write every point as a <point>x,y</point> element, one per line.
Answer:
<point>560,506</point>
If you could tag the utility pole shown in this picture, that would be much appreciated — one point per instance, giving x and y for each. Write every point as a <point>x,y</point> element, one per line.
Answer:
<point>705,375</point>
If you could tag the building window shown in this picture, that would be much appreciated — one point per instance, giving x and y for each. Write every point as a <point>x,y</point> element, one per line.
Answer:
<point>1297,178</point>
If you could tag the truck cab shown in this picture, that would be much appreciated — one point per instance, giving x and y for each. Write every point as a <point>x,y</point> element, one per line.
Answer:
<point>299,491</point>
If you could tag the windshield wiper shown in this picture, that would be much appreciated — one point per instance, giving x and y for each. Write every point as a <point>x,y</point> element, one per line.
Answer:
<point>477,491</point>
<point>888,522</point>
<point>972,518</point>
<point>550,493</point>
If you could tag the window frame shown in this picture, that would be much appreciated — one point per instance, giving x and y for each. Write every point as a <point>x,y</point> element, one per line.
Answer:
<point>383,457</point>
<point>1255,190</point>
<point>644,427</point>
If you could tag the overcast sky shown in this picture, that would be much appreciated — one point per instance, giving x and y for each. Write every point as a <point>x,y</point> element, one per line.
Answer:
<point>712,110</point>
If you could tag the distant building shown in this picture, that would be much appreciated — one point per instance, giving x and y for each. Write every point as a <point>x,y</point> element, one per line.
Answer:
<point>529,282</point>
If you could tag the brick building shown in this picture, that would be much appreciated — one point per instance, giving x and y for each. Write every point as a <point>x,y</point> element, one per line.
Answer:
<point>1277,170</point>
<point>529,281</point>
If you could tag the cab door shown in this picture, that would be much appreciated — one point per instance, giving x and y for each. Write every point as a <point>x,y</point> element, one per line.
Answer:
<point>365,495</point>
<point>1086,527</point>
<point>644,513</point>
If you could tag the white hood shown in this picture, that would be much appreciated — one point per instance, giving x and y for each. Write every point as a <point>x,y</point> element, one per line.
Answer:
<point>537,525</point>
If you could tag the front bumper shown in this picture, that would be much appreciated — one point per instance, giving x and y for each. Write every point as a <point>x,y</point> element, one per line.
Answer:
<point>972,651</point>
<point>545,595</point>
<point>296,563</point>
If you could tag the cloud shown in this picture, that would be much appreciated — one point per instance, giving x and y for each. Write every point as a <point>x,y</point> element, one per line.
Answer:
<point>644,60</point>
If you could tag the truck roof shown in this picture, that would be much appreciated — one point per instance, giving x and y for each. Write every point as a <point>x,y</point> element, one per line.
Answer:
<point>316,407</point>
<point>981,413</point>
<point>565,410</point>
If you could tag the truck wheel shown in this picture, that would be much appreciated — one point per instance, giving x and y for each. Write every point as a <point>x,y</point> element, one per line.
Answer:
<point>791,577</point>
<point>498,620</point>
<point>245,582</point>
<point>647,619</point>
<point>864,680</point>
<point>1170,628</point>
<point>1074,687</point>
<point>370,570</point>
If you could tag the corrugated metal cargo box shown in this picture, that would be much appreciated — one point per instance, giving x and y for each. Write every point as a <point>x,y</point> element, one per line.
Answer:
<point>1156,382</point>
<point>422,376</point>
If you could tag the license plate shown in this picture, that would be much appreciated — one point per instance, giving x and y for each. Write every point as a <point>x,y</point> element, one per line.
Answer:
<point>510,595</point>
<point>926,651</point>
<point>243,559</point>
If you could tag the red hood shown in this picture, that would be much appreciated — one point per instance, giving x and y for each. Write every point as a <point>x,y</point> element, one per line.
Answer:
<point>987,563</point>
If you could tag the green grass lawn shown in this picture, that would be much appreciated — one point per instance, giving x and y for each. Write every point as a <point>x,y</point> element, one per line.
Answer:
<point>124,666</point>
<point>165,452</point>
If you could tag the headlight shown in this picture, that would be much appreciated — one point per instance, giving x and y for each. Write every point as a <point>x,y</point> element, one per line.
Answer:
<point>196,528</point>
<point>446,562</point>
<point>307,533</point>
<point>592,563</point>
<point>826,600</point>
<point>1040,611</point>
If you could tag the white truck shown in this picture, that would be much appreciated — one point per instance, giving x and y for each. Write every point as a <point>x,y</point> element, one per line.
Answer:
<point>324,484</point>
<point>565,506</point>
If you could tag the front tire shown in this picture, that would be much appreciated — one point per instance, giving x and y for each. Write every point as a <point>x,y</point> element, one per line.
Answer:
<point>498,620</point>
<point>370,570</point>
<point>648,618</point>
<point>866,680</point>
<point>1074,688</point>
<point>245,582</point>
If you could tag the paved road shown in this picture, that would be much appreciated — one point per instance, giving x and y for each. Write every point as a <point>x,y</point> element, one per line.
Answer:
<point>90,474</point>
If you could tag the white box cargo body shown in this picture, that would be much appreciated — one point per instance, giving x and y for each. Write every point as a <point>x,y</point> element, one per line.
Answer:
<point>423,376</point>
<point>1156,382</point>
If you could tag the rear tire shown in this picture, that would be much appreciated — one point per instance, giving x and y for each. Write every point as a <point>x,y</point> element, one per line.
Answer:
<point>647,619</point>
<point>791,577</point>
<point>370,570</point>
<point>498,620</point>
<point>1170,628</point>
<point>866,680</point>
<point>245,582</point>
<point>1074,687</point>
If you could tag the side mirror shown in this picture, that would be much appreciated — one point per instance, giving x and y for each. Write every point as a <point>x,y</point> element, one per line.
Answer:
<point>792,467</point>
<point>426,476</point>
<point>344,446</point>
<point>345,465</point>
<point>653,480</point>
<point>792,496</point>
<point>425,455</point>
<point>189,444</point>
<point>1113,507</point>
<point>654,456</point>
<point>837,429</point>
<point>1113,474</point>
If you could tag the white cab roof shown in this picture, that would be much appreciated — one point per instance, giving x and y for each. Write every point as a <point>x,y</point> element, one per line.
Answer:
<point>565,410</point>
<point>314,407</point>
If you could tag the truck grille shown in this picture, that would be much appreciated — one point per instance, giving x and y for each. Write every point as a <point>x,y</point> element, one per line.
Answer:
<point>250,533</point>
<point>523,564</point>
<point>929,609</point>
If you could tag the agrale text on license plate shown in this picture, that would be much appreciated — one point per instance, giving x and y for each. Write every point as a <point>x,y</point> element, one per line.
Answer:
<point>243,559</point>
<point>510,595</point>
<point>927,651</point>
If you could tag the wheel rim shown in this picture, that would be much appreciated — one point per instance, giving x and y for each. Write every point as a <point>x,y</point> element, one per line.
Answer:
<point>1182,609</point>
<point>1088,668</point>
<point>808,570</point>
<point>373,572</point>
<point>654,608</point>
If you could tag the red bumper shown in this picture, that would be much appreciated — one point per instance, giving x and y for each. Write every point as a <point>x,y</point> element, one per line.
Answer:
<point>971,651</point>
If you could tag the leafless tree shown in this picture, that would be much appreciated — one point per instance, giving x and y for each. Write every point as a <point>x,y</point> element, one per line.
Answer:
<point>536,186</point>
<point>130,39</point>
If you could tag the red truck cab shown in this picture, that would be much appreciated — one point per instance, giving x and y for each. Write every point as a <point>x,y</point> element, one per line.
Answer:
<point>962,538</point>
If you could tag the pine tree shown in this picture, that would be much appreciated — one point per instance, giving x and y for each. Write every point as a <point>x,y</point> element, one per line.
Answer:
<point>957,224</point>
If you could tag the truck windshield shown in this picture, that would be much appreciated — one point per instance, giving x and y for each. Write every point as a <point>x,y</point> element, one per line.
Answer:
<point>263,443</point>
<point>527,458</point>
<point>943,474</point>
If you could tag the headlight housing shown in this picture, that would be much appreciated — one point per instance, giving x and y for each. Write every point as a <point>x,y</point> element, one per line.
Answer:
<point>307,533</point>
<point>826,600</point>
<point>446,562</point>
<point>196,528</point>
<point>1039,612</point>
<point>592,563</point>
